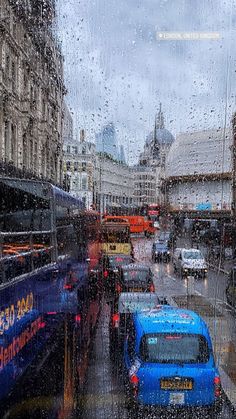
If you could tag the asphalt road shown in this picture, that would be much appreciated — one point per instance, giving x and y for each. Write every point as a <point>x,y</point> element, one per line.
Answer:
<point>39,393</point>
<point>105,396</point>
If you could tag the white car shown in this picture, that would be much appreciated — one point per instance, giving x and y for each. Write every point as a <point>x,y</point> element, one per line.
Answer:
<point>189,262</point>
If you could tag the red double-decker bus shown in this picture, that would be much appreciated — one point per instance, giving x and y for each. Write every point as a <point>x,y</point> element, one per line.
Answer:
<point>153,212</point>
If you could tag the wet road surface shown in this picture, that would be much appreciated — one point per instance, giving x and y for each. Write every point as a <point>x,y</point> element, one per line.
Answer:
<point>105,394</point>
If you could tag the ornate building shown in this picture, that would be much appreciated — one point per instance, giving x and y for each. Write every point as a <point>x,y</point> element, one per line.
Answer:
<point>157,144</point>
<point>31,91</point>
<point>151,164</point>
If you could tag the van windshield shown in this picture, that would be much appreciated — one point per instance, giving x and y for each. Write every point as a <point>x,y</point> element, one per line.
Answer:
<point>174,348</point>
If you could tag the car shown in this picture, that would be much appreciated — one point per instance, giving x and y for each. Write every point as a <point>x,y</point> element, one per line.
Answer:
<point>160,252</point>
<point>231,288</point>
<point>168,237</point>
<point>189,262</point>
<point>109,269</point>
<point>134,277</point>
<point>169,362</point>
<point>128,303</point>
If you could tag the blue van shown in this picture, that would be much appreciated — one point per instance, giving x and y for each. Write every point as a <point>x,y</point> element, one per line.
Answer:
<point>169,361</point>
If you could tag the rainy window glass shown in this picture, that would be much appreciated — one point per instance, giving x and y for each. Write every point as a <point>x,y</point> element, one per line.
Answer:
<point>117,209</point>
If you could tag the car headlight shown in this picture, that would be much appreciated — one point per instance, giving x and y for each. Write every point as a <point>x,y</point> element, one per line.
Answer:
<point>115,271</point>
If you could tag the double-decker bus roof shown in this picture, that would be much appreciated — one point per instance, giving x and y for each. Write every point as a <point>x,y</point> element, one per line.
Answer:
<point>42,190</point>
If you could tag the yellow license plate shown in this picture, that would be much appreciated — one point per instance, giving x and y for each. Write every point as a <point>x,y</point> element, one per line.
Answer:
<point>137,290</point>
<point>176,385</point>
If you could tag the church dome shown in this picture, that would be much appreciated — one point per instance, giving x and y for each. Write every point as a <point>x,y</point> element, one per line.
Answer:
<point>164,137</point>
<point>160,133</point>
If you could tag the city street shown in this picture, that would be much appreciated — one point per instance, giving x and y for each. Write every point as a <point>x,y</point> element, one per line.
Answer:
<point>117,128</point>
<point>105,397</point>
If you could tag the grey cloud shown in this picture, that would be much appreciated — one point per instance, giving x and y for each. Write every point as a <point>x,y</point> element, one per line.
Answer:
<point>114,62</point>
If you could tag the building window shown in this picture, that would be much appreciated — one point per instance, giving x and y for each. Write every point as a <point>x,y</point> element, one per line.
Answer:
<point>26,79</point>
<point>6,139</point>
<point>14,28</point>
<point>84,149</point>
<point>76,166</point>
<point>35,156</point>
<point>13,75</point>
<point>68,149</point>
<point>43,109</point>
<point>52,167</point>
<point>13,144</point>
<point>84,166</point>
<point>75,149</point>
<point>7,68</point>
<point>25,152</point>
<point>84,183</point>
<point>31,153</point>
<point>68,165</point>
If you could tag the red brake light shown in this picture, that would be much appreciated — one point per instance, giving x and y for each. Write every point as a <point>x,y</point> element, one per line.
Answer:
<point>118,288</point>
<point>217,381</point>
<point>217,385</point>
<point>152,288</point>
<point>115,320</point>
<point>134,379</point>
<point>78,318</point>
<point>105,274</point>
<point>67,286</point>
<point>51,312</point>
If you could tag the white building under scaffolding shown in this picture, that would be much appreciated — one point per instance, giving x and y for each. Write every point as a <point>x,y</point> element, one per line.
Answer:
<point>199,172</point>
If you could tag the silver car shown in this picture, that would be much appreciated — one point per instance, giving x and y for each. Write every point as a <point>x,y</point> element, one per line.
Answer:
<point>189,262</point>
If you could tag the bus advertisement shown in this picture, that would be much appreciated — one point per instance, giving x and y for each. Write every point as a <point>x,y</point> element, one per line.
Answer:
<point>48,245</point>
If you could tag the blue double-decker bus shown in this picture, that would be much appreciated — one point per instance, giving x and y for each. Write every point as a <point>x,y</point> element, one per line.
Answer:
<point>48,246</point>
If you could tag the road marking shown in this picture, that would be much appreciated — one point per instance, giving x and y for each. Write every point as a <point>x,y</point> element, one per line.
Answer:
<point>197,292</point>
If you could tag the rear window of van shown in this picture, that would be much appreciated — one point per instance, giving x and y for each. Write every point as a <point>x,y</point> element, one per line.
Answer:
<point>174,348</point>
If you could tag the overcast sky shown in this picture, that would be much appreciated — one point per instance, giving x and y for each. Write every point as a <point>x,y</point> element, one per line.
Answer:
<point>116,69</point>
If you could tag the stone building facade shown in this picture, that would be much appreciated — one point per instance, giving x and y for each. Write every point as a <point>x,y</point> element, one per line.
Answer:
<point>113,184</point>
<point>99,180</point>
<point>31,91</point>
<point>79,169</point>
<point>145,185</point>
